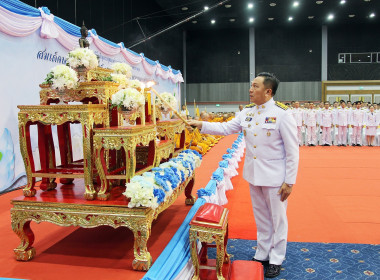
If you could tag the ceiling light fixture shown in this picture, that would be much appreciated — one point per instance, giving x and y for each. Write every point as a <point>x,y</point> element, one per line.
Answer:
<point>296,4</point>
<point>272,4</point>
<point>270,18</point>
<point>351,16</point>
<point>372,15</point>
<point>206,8</point>
<point>250,5</point>
<point>319,2</point>
<point>310,17</point>
<point>185,8</point>
<point>251,19</point>
<point>342,2</point>
<point>232,19</point>
<point>213,21</point>
<point>330,17</point>
<point>228,6</point>
<point>290,18</point>
<point>194,21</point>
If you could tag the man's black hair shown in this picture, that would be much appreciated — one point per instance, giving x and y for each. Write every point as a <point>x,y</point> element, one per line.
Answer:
<point>270,81</point>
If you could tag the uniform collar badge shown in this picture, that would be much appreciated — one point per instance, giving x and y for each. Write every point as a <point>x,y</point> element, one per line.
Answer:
<point>270,120</point>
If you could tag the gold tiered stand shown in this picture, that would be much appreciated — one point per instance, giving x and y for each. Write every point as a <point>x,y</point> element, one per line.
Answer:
<point>118,153</point>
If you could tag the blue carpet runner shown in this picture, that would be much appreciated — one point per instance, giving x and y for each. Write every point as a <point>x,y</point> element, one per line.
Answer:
<point>317,260</point>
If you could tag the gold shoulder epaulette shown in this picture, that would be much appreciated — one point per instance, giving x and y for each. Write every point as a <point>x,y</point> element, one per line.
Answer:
<point>250,105</point>
<point>281,105</point>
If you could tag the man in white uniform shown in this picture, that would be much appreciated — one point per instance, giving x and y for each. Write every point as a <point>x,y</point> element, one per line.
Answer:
<point>342,117</point>
<point>298,117</point>
<point>326,124</point>
<point>311,125</point>
<point>271,165</point>
<point>356,121</point>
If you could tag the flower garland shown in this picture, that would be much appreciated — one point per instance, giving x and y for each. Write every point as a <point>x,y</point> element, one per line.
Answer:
<point>82,57</point>
<point>62,77</point>
<point>154,187</point>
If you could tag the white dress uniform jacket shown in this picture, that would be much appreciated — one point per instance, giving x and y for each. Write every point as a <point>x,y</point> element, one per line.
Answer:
<point>357,117</point>
<point>326,117</point>
<point>342,117</point>
<point>272,151</point>
<point>298,115</point>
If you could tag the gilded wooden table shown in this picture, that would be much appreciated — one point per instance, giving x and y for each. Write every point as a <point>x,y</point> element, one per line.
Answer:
<point>45,116</point>
<point>66,207</point>
<point>169,129</point>
<point>126,138</point>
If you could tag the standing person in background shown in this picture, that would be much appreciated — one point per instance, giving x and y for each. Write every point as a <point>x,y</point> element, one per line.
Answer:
<point>371,122</point>
<point>356,121</point>
<point>342,123</point>
<point>334,130</point>
<point>297,113</point>
<point>311,125</point>
<point>270,167</point>
<point>326,124</point>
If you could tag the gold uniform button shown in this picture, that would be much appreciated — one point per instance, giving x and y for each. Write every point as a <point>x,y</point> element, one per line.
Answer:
<point>257,123</point>
<point>249,126</point>
<point>263,106</point>
<point>254,157</point>
<point>255,134</point>
<point>259,113</point>
<point>254,146</point>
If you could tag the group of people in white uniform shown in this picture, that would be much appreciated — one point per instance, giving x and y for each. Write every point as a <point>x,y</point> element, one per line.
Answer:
<point>338,124</point>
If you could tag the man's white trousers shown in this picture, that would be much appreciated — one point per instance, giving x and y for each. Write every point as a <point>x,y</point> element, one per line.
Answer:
<point>271,223</point>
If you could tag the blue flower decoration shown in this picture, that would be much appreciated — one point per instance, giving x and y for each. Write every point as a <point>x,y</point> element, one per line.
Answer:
<point>223,164</point>
<point>159,194</point>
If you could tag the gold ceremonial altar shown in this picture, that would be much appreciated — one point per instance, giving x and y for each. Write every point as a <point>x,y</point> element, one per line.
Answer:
<point>91,190</point>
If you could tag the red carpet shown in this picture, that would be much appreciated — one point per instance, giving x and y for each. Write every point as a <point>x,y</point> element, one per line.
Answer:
<point>336,198</point>
<point>99,253</point>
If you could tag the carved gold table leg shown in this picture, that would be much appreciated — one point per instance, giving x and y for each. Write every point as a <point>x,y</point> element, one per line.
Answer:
<point>219,241</point>
<point>26,152</point>
<point>90,192</point>
<point>190,199</point>
<point>25,251</point>
<point>101,166</point>
<point>143,259</point>
<point>194,253</point>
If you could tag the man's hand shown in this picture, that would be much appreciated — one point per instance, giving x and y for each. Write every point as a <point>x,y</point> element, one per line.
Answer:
<point>285,191</point>
<point>195,123</point>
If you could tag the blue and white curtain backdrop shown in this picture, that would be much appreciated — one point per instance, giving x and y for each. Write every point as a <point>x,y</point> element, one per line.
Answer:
<point>32,42</point>
<point>175,262</point>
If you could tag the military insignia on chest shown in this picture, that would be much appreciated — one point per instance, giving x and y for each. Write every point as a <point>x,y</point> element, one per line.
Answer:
<point>248,119</point>
<point>270,120</point>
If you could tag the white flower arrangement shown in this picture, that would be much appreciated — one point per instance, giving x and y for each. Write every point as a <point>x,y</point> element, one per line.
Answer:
<point>121,79</point>
<point>141,195</point>
<point>62,77</point>
<point>130,98</point>
<point>122,68</point>
<point>135,84</point>
<point>82,57</point>
<point>169,98</point>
